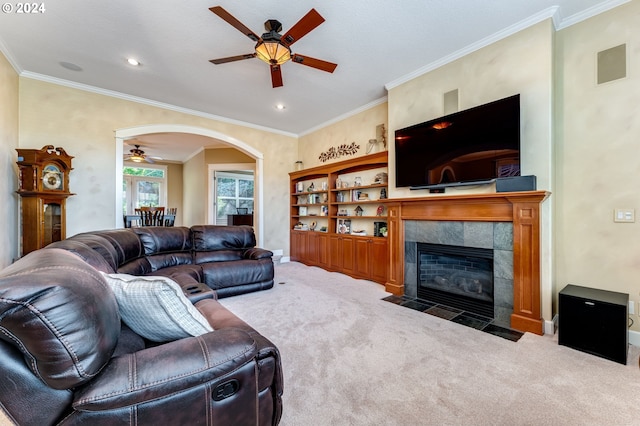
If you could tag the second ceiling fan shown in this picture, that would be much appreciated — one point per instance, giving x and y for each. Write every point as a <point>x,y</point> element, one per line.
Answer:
<point>273,48</point>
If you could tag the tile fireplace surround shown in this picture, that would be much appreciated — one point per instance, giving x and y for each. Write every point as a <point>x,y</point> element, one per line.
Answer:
<point>522,209</point>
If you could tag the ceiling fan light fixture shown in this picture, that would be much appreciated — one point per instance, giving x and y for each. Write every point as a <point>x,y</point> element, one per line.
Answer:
<point>136,158</point>
<point>271,50</point>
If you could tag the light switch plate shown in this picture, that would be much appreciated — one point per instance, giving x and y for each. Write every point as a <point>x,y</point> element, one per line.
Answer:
<point>624,215</point>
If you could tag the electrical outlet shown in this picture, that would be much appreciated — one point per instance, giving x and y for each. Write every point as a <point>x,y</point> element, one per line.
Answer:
<point>624,215</point>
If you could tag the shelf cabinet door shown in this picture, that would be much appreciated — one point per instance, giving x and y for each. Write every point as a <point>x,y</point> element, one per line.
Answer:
<point>342,254</point>
<point>362,258</point>
<point>317,249</point>
<point>379,256</point>
<point>299,242</point>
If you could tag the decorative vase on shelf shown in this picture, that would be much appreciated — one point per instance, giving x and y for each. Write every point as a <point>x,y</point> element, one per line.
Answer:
<point>298,165</point>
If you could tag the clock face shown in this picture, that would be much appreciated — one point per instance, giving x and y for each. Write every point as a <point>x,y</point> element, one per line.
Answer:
<point>52,177</point>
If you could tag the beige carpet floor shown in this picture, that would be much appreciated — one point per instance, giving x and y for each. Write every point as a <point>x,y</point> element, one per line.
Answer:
<point>350,358</point>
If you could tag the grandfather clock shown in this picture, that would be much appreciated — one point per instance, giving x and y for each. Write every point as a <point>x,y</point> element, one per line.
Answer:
<point>44,188</point>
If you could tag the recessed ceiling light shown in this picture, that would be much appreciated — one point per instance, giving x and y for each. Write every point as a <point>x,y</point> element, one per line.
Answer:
<point>133,62</point>
<point>70,66</point>
<point>280,107</point>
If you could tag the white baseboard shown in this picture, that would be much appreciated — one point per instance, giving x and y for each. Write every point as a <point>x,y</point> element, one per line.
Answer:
<point>550,327</point>
<point>285,259</point>
<point>634,338</point>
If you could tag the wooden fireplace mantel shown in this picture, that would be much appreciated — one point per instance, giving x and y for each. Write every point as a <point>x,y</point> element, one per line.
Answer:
<point>521,208</point>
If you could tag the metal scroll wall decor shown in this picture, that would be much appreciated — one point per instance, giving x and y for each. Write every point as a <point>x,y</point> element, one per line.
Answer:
<point>343,149</point>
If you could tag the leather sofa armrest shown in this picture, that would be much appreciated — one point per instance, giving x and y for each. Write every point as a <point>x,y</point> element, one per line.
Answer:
<point>257,253</point>
<point>168,369</point>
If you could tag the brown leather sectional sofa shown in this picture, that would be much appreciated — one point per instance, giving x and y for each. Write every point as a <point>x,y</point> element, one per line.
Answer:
<point>67,358</point>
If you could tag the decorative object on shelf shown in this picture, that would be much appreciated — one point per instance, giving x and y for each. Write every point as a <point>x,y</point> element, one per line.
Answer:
<point>302,211</point>
<point>345,184</point>
<point>298,165</point>
<point>339,197</point>
<point>313,225</point>
<point>300,187</point>
<point>323,229</point>
<point>44,188</point>
<point>358,211</point>
<point>357,181</point>
<point>378,228</point>
<point>361,232</point>
<point>325,185</point>
<point>343,212</point>
<point>344,149</point>
<point>383,193</point>
<point>380,210</point>
<point>338,183</point>
<point>311,199</point>
<point>311,188</point>
<point>363,196</point>
<point>381,177</point>
<point>355,195</point>
<point>324,211</point>
<point>380,138</point>
<point>301,226</point>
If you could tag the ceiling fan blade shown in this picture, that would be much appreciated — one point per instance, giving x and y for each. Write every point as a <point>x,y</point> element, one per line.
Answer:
<point>234,22</point>
<point>149,160</point>
<point>307,23</point>
<point>276,76</point>
<point>314,63</point>
<point>232,58</point>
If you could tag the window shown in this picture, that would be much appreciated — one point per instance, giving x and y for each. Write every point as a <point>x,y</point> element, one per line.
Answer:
<point>233,190</point>
<point>143,186</point>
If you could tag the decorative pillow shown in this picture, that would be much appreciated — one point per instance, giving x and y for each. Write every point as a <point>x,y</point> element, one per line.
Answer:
<point>156,308</point>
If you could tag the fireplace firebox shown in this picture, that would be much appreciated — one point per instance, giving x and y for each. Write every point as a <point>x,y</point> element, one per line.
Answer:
<point>459,277</point>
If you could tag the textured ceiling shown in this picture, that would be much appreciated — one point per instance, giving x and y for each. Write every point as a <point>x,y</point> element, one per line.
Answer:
<point>376,44</point>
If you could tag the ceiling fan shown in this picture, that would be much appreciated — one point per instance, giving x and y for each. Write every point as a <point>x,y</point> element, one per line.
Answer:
<point>138,156</point>
<point>273,48</point>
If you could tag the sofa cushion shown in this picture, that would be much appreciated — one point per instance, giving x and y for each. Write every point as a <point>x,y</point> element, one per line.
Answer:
<point>215,237</point>
<point>156,308</point>
<point>59,312</point>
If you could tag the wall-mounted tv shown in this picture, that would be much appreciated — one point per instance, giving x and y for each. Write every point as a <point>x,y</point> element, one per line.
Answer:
<point>468,147</point>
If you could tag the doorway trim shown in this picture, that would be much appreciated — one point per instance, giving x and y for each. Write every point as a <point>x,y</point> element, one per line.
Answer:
<point>124,134</point>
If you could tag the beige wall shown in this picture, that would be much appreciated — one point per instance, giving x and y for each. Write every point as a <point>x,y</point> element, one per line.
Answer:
<point>358,128</point>
<point>226,155</point>
<point>194,190</point>
<point>84,124</point>
<point>174,189</point>
<point>598,157</point>
<point>9,245</point>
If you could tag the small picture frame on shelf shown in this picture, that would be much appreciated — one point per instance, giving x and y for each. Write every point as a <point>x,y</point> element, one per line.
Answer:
<point>303,211</point>
<point>324,211</point>
<point>343,226</point>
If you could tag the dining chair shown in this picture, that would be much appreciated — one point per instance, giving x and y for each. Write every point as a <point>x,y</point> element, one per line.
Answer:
<point>151,216</point>
<point>170,216</point>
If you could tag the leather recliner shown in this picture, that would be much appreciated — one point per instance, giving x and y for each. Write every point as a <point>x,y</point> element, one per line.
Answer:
<point>67,358</point>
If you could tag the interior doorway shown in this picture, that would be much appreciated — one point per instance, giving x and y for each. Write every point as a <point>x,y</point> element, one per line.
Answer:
<point>231,191</point>
<point>128,133</point>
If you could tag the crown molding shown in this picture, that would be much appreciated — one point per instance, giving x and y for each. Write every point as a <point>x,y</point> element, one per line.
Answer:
<point>502,34</point>
<point>344,116</point>
<point>126,97</point>
<point>589,13</point>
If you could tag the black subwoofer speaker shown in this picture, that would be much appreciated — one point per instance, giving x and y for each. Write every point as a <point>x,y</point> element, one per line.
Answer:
<point>594,321</point>
<point>516,183</point>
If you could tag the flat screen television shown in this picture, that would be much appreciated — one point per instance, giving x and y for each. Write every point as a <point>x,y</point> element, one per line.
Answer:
<point>468,147</point>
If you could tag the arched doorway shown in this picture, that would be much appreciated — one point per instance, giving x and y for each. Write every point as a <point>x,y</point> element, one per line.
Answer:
<point>128,133</point>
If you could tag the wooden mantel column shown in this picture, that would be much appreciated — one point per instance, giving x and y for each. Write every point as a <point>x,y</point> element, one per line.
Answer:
<point>520,208</point>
